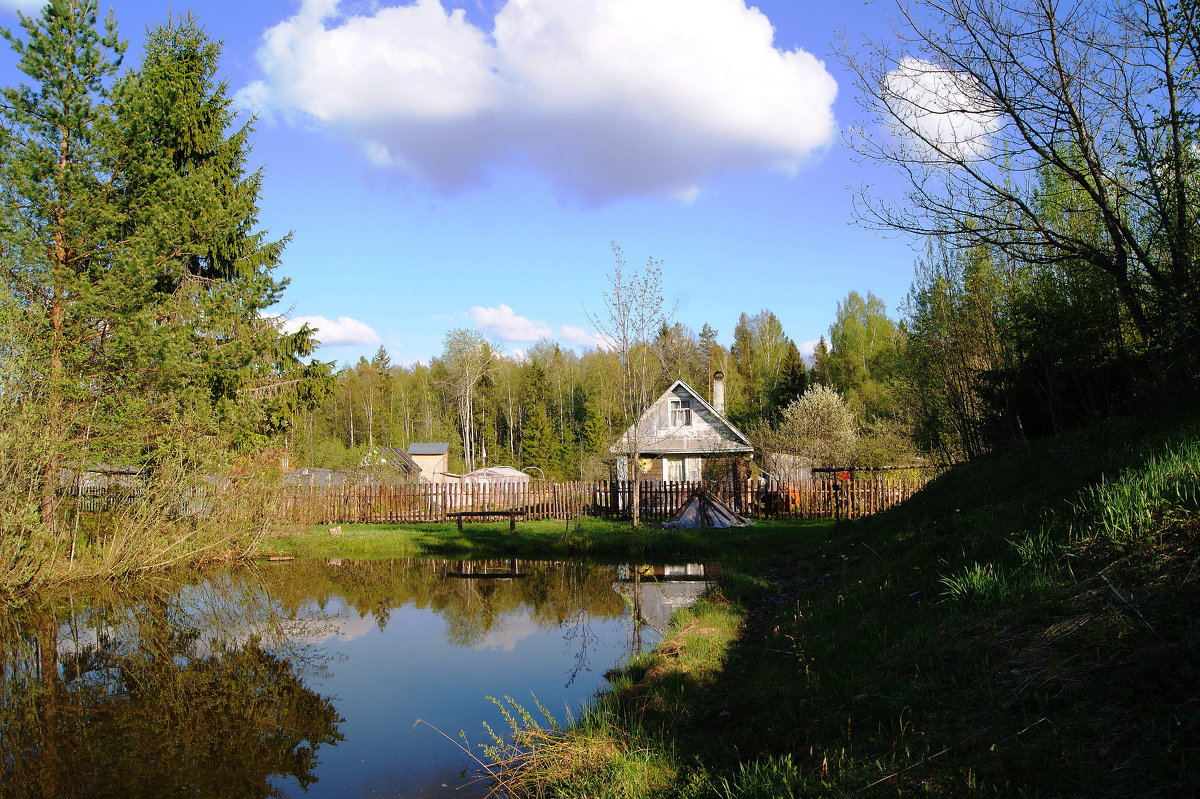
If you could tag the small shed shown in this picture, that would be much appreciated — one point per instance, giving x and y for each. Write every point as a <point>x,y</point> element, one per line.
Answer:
<point>432,458</point>
<point>391,463</point>
<point>105,476</point>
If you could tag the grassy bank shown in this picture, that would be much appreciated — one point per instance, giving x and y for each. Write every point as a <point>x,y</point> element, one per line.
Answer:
<point>170,525</point>
<point>1027,626</point>
<point>544,540</point>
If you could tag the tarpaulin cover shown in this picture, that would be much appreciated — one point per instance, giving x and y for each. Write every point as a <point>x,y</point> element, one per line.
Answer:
<point>702,509</point>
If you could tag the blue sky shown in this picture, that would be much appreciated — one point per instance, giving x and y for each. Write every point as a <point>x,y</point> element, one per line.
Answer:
<point>467,163</point>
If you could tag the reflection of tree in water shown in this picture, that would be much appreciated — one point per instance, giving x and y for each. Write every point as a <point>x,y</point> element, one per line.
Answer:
<point>199,692</point>
<point>552,595</point>
<point>578,634</point>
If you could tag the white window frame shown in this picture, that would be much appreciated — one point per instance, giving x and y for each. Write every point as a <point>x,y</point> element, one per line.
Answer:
<point>681,413</point>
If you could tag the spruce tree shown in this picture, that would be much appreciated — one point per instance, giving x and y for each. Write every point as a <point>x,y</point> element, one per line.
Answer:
<point>793,380</point>
<point>819,375</point>
<point>539,443</point>
<point>188,227</point>
<point>136,281</point>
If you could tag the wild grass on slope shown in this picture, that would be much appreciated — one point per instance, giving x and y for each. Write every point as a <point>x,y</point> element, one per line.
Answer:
<point>1139,505</point>
<point>1025,627</point>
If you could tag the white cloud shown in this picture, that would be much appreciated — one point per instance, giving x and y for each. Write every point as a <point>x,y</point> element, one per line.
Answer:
<point>504,324</point>
<point>607,98</point>
<point>807,350</point>
<point>938,110</point>
<point>344,331</point>
<point>509,632</point>
<point>585,338</point>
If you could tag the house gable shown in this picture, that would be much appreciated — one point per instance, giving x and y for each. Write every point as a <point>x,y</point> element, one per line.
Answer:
<point>681,422</point>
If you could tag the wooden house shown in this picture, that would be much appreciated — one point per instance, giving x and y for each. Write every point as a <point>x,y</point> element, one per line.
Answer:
<point>680,435</point>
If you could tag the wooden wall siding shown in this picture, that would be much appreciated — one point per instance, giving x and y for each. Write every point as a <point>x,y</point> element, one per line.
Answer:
<point>843,499</point>
<point>706,433</point>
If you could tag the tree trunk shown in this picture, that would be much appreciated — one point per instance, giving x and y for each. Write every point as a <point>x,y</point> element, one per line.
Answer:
<point>635,492</point>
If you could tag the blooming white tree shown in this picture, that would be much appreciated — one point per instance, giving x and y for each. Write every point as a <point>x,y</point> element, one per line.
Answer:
<point>818,427</point>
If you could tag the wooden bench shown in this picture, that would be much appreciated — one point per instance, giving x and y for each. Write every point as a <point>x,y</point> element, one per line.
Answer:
<point>511,515</point>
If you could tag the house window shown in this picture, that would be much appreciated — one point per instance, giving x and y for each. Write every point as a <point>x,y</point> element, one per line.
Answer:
<point>674,469</point>
<point>681,413</point>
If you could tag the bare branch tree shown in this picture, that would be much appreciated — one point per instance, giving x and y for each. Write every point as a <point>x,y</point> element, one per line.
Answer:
<point>977,101</point>
<point>634,311</point>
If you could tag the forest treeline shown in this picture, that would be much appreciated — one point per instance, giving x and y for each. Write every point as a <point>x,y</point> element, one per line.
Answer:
<point>557,411</point>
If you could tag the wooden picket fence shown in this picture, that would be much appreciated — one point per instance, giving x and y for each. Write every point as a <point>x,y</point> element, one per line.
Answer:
<point>844,494</point>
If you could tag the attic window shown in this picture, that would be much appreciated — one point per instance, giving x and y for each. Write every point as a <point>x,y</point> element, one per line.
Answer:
<point>681,413</point>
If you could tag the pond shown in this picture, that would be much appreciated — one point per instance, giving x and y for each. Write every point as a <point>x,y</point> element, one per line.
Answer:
<point>310,678</point>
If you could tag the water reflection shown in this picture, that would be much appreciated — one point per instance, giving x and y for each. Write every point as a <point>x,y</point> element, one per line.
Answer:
<point>152,696</point>
<point>299,679</point>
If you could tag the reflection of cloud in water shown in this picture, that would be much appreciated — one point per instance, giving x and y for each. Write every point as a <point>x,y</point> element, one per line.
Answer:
<point>660,599</point>
<point>507,632</point>
<point>339,622</point>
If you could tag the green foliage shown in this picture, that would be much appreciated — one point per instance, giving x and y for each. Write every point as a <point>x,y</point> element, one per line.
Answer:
<point>135,285</point>
<point>1136,507</point>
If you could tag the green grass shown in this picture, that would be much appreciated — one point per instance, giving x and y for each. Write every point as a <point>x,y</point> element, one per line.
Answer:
<point>544,540</point>
<point>969,643</point>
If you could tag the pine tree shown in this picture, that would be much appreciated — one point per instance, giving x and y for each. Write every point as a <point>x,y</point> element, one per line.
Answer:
<point>57,257</point>
<point>819,374</point>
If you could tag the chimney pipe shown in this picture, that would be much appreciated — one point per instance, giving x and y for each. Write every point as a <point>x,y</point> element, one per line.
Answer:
<point>718,392</point>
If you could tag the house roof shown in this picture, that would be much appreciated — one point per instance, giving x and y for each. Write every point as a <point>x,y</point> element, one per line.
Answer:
<point>439,448</point>
<point>504,474</point>
<point>394,456</point>
<point>733,443</point>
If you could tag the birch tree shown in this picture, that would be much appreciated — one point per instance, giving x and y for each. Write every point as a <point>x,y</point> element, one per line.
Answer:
<point>634,311</point>
<point>468,359</point>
